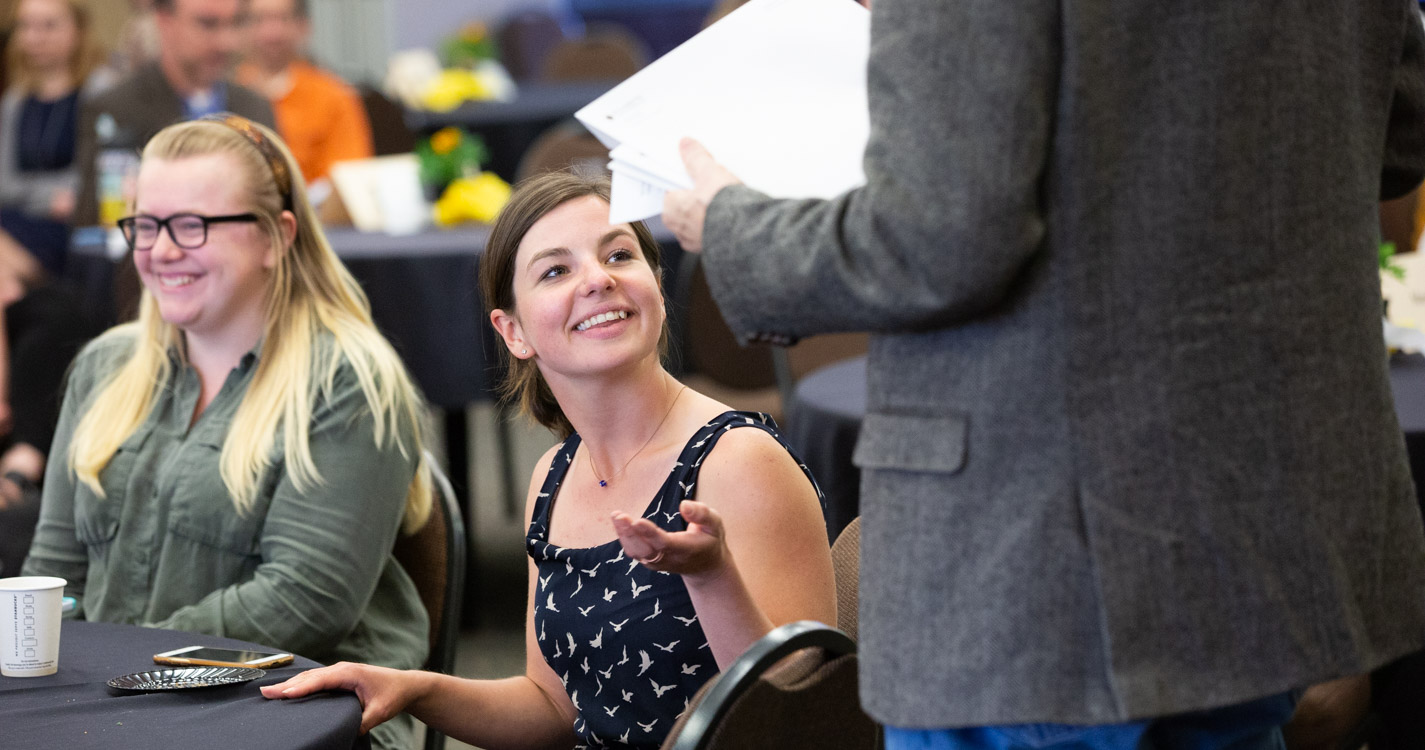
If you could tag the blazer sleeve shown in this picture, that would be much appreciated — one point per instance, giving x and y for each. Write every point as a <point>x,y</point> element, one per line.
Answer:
<point>1405,140</point>
<point>962,99</point>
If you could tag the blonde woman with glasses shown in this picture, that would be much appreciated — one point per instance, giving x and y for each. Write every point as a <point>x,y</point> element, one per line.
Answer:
<point>240,459</point>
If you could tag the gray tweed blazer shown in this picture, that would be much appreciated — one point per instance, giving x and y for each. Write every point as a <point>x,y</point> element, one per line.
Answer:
<point>1130,449</point>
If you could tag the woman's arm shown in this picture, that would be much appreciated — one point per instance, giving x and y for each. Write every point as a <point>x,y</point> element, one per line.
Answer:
<point>755,554</point>
<point>529,711</point>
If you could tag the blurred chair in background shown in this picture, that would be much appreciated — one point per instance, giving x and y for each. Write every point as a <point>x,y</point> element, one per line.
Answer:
<point>605,52</point>
<point>566,145</point>
<point>525,42</point>
<point>434,558</point>
<point>846,560</point>
<point>389,132</point>
<point>712,361</point>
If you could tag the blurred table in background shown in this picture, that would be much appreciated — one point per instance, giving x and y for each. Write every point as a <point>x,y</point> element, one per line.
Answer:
<point>508,128</point>
<point>823,422</point>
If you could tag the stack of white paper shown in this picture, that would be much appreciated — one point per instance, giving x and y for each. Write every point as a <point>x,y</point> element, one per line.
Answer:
<point>776,91</point>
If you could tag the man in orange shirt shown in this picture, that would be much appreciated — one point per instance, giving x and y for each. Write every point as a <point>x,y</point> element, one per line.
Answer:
<point>318,114</point>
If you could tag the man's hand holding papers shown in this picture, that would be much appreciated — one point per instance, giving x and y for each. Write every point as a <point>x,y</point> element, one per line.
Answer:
<point>777,90</point>
<point>684,210</point>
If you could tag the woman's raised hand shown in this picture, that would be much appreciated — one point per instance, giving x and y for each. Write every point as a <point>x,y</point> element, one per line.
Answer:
<point>699,551</point>
<point>383,692</point>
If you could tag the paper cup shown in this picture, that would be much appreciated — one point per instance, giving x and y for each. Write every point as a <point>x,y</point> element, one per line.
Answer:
<point>29,625</point>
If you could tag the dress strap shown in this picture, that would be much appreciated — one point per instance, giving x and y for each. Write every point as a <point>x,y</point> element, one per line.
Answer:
<point>682,484</point>
<point>558,468</point>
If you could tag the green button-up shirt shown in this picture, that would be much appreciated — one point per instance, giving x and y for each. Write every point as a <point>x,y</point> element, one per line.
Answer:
<point>309,572</point>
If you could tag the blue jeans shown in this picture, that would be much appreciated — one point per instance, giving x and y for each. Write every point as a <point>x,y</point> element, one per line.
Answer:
<point>1255,725</point>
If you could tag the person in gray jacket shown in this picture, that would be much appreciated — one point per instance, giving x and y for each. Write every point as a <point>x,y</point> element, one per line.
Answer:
<point>1130,450</point>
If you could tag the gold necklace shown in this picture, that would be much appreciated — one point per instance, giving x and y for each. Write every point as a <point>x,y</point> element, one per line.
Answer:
<point>589,454</point>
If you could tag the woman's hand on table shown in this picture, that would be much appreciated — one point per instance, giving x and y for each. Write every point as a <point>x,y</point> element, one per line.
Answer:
<point>700,551</point>
<point>383,692</point>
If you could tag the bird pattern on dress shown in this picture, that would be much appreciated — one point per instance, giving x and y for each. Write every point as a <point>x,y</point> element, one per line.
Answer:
<point>624,639</point>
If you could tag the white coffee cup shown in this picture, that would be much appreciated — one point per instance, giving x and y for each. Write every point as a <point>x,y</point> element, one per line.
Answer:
<point>29,625</point>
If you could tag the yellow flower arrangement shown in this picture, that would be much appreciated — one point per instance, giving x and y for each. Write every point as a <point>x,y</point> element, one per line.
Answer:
<point>477,198</point>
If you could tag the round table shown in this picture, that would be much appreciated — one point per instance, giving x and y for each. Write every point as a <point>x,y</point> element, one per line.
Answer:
<point>74,709</point>
<point>823,422</point>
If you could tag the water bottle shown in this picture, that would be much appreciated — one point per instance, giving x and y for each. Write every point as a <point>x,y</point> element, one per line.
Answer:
<point>116,168</point>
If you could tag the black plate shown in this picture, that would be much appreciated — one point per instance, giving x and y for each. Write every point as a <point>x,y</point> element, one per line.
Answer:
<point>184,678</point>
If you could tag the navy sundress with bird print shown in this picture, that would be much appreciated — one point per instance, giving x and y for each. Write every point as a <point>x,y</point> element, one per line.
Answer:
<point>624,639</point>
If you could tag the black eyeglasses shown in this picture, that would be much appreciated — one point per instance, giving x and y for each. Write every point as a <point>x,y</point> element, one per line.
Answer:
<point>188,231</point>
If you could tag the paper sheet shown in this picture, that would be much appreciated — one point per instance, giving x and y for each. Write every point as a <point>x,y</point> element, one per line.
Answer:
<point>382,193</point>
<point>776,91</point>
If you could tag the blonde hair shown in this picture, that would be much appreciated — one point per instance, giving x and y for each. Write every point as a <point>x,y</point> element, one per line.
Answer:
<point>82,61</point>
<point>310,295</point>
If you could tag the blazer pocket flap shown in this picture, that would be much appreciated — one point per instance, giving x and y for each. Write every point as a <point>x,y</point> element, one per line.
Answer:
<point>912,443</point>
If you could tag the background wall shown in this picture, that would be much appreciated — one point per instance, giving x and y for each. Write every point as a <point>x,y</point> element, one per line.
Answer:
<point>423,23</point>
<point>356,37</point>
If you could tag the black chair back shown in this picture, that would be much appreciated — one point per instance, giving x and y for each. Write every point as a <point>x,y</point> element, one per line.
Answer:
<point>434,558</point>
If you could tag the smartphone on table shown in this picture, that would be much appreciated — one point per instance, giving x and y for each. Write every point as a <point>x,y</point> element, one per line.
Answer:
<point>222,657</point>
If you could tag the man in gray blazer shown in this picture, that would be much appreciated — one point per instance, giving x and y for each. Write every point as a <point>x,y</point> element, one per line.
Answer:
<point>1130,449</point>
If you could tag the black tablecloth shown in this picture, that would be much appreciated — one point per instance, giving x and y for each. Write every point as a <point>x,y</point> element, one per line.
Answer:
<point>74,709</point>
<point>824,420</point>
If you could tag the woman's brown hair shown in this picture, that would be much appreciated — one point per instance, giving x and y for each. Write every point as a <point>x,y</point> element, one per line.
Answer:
<point>532,199</point>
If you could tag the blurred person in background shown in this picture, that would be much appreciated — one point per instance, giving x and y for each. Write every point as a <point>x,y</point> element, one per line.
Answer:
<point>319,115</point>
<point>41,330</point>
<point>49,59</point>
<point>198,45</point>
<point>50,67</point>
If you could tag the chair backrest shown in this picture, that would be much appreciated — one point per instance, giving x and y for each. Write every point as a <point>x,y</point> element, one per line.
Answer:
<point>846,562</point>
<point>603,53</point>
<point>525,42</point>
<point>712,361</point>
<point>389,132</point>
<point>762,701</point>
<point>566,145</point>
<point>434,558</point>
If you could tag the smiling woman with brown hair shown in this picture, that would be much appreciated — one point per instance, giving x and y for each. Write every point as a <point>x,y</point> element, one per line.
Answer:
<point>666,533</point>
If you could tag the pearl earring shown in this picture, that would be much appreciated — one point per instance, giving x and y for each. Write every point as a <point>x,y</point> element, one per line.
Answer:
<point>524,351</point>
